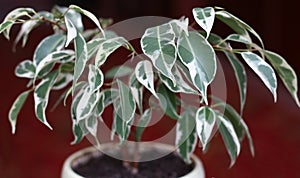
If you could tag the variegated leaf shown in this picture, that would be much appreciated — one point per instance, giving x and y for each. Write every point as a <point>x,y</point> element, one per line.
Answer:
<point>15,109</point>
<point>110,96</point>
<point>199,57</point>
<point>88,14</point>
<point>263,70</point>
<point>61,56</point>
<point>95,78</point>
<point>25,69</point>
<point>205,18</point>
<point>205,122</point>
<point>239,38</point>
<point>158,43</point>
<point>108,46</point>
<point>41,96</point>
<point>239,70</point>
<point>238,123</point>
<point>100,106</point>
<point>137,91</point>
<point>28,26</point>
<point>168,102</point>
<point>6,25</point>
<point>241,77</point>
<point>71,31</point>
<point>127,102</point>
<point>186,135</point>
<point>237,24</point>
<point>48,45</point>
<point>78,127</point>
<point>144,74</point>
<point>181,85</point>
<point>81,57</point>
<point>142,123</point>
<point>62,80</point>
<point>86,104</point>
<point>285,72</point>
<point>91,123</point>
<point>120,126</point>
<point>79,131</point>
<point>93,45</point>
<point>230,138</point>
<point>13,16</point>
<point>180,26</point>
<point>118,71</point>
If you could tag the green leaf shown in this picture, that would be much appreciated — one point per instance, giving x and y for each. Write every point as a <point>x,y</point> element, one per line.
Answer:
<point>186,136</point>
<point>285,72</point>
<point>71,31</point>
<point>237,25</point>
<point>199,57</point>
<point>143,123</point>
<point>118,71</point>
<point>15,109</point>
<point>25,69</point>
<point>95,78</point>
<point>205,122</point>
<point>205,18</point>
<point>48,45</point>
<point>41,96</point>
<point>127,102</point>
<point>81,57</point>
<point>168,102</point>
<point>158,43</point>
<point>263,70</point>
<point>181,85</point>
<point>144,74</point>
<point>88,14</point>
<point>230,138</point>
<point>108,46</point>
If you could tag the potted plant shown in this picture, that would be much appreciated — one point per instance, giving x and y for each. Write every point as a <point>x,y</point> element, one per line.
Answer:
<point>175,63</point>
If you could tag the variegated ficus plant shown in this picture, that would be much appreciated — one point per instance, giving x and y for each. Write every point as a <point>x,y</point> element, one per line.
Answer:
<point>175,60</point>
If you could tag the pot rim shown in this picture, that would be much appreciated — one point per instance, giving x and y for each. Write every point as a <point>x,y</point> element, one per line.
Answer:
<point>68,172</point>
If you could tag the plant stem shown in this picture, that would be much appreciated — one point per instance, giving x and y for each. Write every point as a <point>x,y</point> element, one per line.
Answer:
<point>219,48</point>
<point>53,23</point>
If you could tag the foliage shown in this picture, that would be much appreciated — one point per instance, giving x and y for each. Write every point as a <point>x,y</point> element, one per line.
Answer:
<point>178,61</point>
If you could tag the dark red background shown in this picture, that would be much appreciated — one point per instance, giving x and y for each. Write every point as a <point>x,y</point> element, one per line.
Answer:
<point>35,151</point>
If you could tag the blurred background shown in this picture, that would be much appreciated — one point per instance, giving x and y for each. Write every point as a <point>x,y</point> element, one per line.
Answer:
<point>35,151</point>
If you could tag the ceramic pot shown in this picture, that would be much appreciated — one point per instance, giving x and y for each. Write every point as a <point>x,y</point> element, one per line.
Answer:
<point>110,148</point>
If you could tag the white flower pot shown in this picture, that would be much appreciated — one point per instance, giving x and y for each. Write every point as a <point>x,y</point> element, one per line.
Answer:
<point>67,171</point>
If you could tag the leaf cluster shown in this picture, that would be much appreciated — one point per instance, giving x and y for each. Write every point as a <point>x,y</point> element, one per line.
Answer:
<point>176,60</point>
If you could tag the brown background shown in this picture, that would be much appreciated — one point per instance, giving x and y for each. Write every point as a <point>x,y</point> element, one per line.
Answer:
<point>36,152</point>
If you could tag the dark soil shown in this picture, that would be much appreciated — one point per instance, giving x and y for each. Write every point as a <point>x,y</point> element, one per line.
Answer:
<point>103,166</point>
